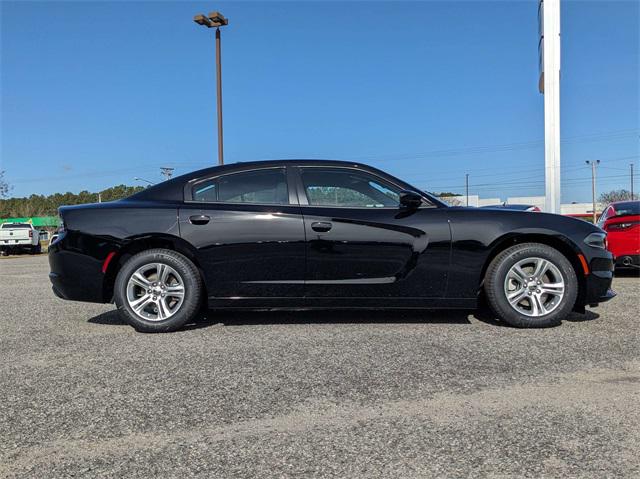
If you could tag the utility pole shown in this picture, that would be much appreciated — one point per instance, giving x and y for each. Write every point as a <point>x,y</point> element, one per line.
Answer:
<point>167,172</point>
<point>99,197</point>
<point>593,185</point>
<point>632,197</point>
<point>466,184</point>
<point>216,20</point>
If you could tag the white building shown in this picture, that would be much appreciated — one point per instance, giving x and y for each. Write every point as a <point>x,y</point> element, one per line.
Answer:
<point>569,209</point>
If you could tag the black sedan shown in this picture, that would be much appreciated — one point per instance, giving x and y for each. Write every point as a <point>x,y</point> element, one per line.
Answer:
<point>320,234</point>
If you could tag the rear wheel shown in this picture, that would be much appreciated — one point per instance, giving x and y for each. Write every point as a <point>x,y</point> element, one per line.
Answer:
<point>158,290</point>
<point>531,285</point>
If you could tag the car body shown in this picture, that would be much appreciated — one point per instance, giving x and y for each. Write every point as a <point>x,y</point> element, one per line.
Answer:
<point>621,221</point>
<point>19,236</point>
<point>311,234</point>
<point>507,206</point>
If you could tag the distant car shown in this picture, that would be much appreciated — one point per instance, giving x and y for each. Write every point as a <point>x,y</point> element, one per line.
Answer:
<point>53,238</point>
<point>621,221</point>
<point>506,206</point>
<point>320,234</point>
<point>19,236</point>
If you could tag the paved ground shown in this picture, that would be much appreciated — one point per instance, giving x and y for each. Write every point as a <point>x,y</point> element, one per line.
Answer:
<point>329,394</point>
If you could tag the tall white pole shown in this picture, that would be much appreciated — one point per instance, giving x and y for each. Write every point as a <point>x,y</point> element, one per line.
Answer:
<point>551,66</point>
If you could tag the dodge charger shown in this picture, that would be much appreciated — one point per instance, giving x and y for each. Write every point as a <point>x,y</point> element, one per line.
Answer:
<point>321,234</point>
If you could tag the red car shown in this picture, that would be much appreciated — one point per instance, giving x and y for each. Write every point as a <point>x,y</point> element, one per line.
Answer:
<point>621,221</point>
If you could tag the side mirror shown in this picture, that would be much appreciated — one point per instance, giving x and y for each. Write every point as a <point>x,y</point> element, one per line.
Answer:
<point>410,199</point>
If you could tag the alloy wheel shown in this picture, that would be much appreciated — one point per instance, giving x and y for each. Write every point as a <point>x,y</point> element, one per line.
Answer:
<point>534,287</point>
<point>155,291</point>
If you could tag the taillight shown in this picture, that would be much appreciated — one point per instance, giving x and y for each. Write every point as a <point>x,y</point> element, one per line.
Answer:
<point>621,226</point>
<point>30,233</point>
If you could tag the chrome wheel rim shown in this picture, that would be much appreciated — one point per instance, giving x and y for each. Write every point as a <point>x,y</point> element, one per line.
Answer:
<point>534,287</point>
<point>155,292</point>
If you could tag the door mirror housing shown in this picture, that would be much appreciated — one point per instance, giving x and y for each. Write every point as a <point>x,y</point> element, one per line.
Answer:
<point>410,199</point>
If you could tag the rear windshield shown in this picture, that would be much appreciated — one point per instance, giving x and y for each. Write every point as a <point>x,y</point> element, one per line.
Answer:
<point>16,225</point>
<point>627,208</point>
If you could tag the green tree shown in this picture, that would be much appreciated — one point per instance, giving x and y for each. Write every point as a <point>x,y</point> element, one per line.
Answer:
<point>40,205</point>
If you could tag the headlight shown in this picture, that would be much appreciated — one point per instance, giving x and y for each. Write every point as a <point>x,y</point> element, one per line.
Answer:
<point>596,240</point>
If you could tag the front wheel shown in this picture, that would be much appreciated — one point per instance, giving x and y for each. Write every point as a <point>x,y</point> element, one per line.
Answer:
<point>531,285</point>
<point>158,290</point>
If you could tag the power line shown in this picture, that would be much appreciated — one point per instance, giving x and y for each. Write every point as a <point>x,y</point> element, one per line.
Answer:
<point>619,134</point>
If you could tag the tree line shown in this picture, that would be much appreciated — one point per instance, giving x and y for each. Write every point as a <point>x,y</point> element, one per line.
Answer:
<point>47,205</point>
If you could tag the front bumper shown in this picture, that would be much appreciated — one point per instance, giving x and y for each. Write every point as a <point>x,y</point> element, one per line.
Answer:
<point>598,282</point>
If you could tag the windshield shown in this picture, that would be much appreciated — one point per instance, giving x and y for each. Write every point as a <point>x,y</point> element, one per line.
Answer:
<point>16,225</point>
<point>627,208</point>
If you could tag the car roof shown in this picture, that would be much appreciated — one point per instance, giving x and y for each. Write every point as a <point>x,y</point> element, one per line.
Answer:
<point>242,165</point>
<point>173,189</point>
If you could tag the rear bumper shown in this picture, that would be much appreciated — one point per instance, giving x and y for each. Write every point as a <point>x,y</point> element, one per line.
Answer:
<point>628,261</point>
<point>16,244</point>
<point>75,276</point>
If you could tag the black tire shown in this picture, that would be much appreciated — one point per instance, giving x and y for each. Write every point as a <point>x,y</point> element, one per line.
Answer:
<point>37,249</point>
<point>494,286</point>
<point>191,280</point>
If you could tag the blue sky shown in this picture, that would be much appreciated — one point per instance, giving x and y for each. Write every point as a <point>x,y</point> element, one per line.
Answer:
<point>96,93</point>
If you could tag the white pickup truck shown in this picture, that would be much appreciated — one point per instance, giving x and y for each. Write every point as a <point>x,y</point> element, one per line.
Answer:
<point>15,236</point>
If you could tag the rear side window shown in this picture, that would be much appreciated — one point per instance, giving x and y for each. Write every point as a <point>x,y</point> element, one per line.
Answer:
<point>267,186</point>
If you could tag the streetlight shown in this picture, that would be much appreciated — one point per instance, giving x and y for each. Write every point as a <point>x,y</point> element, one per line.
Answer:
<point>216,20</point>
<point>142,179</point>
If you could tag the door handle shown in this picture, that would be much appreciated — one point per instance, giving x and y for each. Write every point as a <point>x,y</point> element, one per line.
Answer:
<point>199,219</point>
<point>321,226</point>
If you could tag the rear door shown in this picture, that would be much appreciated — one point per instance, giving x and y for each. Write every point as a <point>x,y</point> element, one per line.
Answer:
<point>361,244</point>
<point>248,233</point>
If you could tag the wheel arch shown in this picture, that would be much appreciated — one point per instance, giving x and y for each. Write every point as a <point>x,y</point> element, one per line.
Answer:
<point>561,243</point>
<point>136,245</point>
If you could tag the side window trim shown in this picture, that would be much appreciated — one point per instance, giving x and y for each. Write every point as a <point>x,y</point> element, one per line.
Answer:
<point>189,185</point>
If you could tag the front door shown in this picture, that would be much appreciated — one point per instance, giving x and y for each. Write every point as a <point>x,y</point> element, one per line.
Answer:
<point>360,243</point>
<point>248,233</point>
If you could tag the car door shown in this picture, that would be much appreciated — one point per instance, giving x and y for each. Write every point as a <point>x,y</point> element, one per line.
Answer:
<point>360,243</point>
<point>248,233</point>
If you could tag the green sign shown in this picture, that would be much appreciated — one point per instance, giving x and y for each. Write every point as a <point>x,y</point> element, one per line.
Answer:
<point>37,221</point>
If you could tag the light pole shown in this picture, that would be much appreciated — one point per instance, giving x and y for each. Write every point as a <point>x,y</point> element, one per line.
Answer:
<point>142,179</point>
<point>216,20</point>
<point>593,185</point>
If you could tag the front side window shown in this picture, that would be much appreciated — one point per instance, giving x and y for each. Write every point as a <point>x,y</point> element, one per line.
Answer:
<point>268,186</point>
<point>347,188</point>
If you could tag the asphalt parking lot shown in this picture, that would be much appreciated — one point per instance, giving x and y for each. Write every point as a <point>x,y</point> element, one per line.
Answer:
<point>313,394</point>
